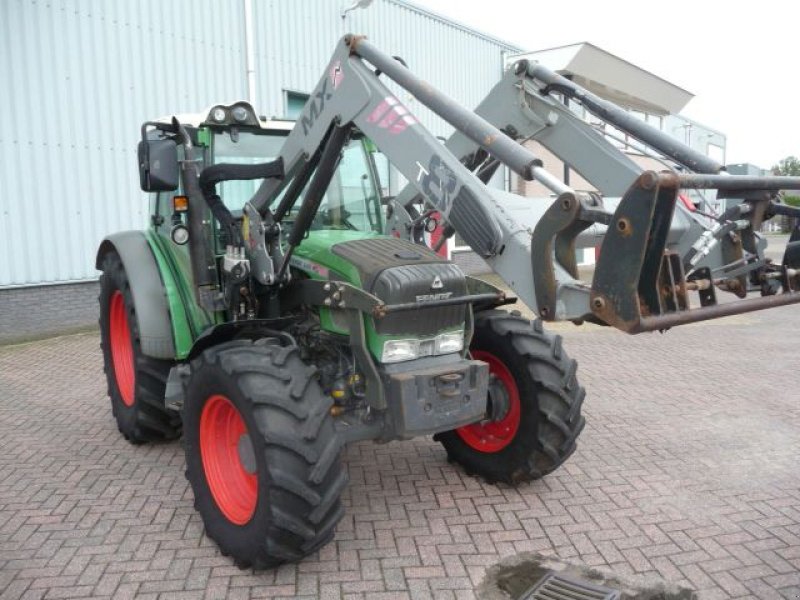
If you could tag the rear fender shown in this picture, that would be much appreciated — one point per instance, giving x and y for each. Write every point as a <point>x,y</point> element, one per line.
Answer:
<point>147,289</point>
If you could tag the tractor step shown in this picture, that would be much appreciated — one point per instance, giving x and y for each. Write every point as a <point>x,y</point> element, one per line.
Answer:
<point>176,384</point>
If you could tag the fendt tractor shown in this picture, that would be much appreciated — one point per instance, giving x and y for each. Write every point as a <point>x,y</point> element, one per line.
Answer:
<point>271,313</point>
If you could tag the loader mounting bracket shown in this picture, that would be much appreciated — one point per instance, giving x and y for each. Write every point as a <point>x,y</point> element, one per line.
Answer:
<point>554,239</point>
<point>626,279</point>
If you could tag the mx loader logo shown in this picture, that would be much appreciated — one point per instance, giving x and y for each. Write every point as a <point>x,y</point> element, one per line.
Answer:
<point>315,107</point>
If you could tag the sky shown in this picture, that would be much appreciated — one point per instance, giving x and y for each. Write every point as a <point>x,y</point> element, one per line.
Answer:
<point>741,62</point>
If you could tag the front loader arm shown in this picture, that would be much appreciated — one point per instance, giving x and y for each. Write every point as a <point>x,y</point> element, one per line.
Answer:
<point>639,285</point>
<point>350,91</point>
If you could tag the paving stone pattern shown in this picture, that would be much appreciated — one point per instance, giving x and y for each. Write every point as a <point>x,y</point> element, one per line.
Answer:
<point>688,469</point>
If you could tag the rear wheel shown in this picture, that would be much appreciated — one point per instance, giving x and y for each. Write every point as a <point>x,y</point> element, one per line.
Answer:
<point>534,406</point>
<point>136,382</point>
<point>262,453</point>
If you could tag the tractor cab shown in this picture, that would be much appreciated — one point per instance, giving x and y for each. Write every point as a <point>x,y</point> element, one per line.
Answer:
<point>234,134</point>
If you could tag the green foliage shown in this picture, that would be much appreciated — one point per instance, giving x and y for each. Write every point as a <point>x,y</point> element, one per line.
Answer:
<point>788,166</point>
<point>792,200</point>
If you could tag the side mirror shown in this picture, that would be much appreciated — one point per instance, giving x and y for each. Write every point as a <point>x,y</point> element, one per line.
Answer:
<point>158,165</point>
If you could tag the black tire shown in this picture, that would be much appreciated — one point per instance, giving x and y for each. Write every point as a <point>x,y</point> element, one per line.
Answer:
<point>550,401</point>
<point>295,448</point>
<point>143,418</point>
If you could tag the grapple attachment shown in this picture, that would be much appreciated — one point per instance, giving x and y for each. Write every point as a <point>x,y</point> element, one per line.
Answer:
<point>639,283</point>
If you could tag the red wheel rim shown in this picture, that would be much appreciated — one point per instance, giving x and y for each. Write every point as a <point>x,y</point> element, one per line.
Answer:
<point>493,436</point>
<point>119,334</point>
<point>235,490</point>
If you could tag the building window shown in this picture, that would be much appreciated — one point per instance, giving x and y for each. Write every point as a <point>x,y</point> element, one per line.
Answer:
<point>656,121</point>
<point>716,153</point>
<point>616,136</point>
<point>295,101</point>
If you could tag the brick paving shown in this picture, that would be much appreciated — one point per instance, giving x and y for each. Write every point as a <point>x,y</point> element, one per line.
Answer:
<point>688,469</point>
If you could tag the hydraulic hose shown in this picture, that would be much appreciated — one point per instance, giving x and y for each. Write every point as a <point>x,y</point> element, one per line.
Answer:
<point>218,173</point>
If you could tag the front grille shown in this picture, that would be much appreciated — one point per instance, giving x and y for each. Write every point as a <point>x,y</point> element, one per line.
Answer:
<point>403,284</point>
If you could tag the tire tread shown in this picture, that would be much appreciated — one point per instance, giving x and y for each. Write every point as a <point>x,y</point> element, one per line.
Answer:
<point>304,474</point>
<point>151,421</point>
<point>558,401</point>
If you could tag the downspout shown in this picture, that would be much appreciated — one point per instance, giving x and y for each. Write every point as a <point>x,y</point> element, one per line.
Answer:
<point>566,164</point>
<point>506,170</point>
<point>250,52</point>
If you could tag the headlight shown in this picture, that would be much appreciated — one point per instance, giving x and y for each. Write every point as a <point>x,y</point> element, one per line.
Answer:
<point>447,343</point>
<point>399,350</point>
<point>218,114</point>
<point>239,113</point>
<point>179,234</point>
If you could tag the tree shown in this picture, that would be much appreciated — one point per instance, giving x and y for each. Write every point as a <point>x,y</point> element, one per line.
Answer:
<point>788,166</point>
<point>792,200</point>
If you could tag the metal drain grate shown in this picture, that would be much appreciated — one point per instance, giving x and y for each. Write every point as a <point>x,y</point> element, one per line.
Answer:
<point>554,586</point>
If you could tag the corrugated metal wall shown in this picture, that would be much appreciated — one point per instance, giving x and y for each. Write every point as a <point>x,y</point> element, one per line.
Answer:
<point>79,78</point>
<point>295,40</point>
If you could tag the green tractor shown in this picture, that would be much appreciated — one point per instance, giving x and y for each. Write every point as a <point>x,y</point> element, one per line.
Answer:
<point>266,318</point>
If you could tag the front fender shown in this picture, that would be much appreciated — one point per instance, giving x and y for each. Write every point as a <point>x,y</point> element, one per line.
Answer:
<point>147,289</point>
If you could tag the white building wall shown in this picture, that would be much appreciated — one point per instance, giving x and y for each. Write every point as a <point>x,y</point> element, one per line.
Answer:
<point>80,77</point>
<point>294,41</point>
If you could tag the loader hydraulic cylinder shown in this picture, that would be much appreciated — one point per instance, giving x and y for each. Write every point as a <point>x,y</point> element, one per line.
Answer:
<point>621,119</point>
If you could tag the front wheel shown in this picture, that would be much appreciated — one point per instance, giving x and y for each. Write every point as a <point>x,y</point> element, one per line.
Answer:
<point>534,406</point>
<point>262,453</point>
<point>136,382</point>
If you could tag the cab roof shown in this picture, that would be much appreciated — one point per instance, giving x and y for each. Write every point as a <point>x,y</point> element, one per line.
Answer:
<point>207,118</point>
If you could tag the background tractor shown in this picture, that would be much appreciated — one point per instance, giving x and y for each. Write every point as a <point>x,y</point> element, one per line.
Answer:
<point>266,317</point>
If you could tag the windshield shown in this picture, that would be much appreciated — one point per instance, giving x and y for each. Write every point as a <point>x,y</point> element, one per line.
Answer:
<point>351,201</point>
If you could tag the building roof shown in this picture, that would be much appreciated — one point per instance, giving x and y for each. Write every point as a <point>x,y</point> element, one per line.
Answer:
<point>612,77</point>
